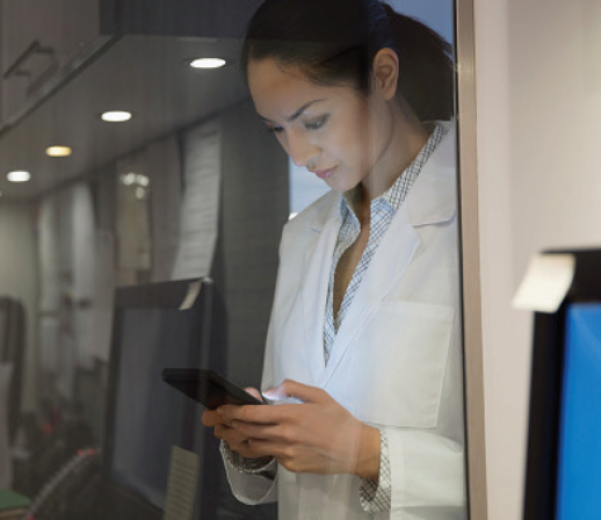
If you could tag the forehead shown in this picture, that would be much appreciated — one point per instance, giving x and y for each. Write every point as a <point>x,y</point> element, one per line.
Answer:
<point>278,92</point>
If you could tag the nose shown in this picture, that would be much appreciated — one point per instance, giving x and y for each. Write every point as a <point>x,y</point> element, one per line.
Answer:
<point>301,150</point>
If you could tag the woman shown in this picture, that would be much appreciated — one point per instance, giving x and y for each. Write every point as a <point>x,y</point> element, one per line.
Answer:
<point>365,325</point>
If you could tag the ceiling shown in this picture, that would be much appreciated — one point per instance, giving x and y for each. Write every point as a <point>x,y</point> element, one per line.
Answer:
<point>146,75</point>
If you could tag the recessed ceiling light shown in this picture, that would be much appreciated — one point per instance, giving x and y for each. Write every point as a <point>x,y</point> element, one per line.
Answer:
<point>129,179</point>
<point>58,151</point>
<point>18,176</point>
<point>207,63</point>
<point>142,180</point>
<point>116,116</point>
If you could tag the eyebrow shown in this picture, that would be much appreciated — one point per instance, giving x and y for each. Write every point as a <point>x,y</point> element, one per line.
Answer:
<point>296,114</point>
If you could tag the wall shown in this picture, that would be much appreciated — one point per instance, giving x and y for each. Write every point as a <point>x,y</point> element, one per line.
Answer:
<point>539,98</point>
<point>19,279</point>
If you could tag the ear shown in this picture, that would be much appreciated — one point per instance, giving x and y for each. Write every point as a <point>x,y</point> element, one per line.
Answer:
<point>386,73</point>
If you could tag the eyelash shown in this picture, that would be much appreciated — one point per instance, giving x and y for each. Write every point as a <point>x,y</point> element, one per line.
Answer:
<point>317,125</point>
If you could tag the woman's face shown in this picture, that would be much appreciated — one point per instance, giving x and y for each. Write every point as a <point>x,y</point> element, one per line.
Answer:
<point>335,132</point>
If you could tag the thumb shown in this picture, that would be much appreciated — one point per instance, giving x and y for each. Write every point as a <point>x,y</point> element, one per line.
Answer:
<point>254,392</point>
<point>289,388</point>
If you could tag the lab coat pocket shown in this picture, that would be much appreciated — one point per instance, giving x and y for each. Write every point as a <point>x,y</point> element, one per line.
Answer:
<point>400,359</point>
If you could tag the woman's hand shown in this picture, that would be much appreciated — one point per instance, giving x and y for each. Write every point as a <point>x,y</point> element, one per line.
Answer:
<point>236,440</point>
<point>318,436</point>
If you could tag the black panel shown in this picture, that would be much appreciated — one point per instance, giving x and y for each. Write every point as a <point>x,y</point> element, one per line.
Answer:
<point>255,206</point>
<point>197,340</point>
<point>546,388</point>
<point>200,18</point>
<point>12,350</point>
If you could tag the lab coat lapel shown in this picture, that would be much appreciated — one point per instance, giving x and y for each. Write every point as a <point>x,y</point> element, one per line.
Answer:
<point>389,263</point>
<point>317,267</point>
<point>432,200</point>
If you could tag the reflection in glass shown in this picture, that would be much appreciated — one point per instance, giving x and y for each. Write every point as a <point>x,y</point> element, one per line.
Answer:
<point>356,301</point>
<point>365,330</point>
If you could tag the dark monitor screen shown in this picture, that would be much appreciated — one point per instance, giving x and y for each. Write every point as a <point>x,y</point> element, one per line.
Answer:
<point>149,418</point>
<point>160,325</point>
<point>180,324</point>
<point>563,474</point>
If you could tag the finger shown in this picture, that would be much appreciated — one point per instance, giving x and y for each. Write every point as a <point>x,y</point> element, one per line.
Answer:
<point>230,435</point>
<point>246,450</point>
<point>263,448</point>
<point>211,418</point>
<point>258,431</point>
<point>221,432</point>
<point>254,392</point>
<point>248,413</point>
<point>228,412</point>
<point>290,388</point>
<point>238,443</point>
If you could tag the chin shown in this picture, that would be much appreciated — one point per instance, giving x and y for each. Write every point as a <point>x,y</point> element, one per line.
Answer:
<point>341,185</point>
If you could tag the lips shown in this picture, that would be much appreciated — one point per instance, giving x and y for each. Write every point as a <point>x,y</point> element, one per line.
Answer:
<point>324,174</point>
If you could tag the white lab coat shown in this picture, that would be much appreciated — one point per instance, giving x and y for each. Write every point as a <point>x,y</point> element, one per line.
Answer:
<point>396,362</point>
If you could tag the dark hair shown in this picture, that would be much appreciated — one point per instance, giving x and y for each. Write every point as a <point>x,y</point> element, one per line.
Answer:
<point>335,41</point>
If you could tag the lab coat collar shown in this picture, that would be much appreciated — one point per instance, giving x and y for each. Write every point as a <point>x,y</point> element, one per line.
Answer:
<point>431,200</point>
<point>328,212</point>
<point>433,197</point>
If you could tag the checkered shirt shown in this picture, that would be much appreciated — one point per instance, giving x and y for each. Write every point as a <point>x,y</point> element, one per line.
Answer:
<point>375,496</point>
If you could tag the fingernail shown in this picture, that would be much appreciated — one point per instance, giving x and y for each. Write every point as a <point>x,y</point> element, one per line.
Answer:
<point>272,393</point>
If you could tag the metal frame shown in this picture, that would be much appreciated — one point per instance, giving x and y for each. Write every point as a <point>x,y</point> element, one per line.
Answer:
<point>470,250</point>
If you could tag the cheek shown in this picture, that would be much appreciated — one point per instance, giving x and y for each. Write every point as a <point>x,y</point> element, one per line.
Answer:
<point>350,140</point>
<point>358,148</point>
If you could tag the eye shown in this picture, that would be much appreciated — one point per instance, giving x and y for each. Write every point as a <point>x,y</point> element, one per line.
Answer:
<point>275,129</point>
<point>316,125</point>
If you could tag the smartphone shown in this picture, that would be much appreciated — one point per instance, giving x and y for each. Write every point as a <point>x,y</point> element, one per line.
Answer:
<point>207,387</point>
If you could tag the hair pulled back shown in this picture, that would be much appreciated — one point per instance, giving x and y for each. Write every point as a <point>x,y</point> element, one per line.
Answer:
<point>334,42</point>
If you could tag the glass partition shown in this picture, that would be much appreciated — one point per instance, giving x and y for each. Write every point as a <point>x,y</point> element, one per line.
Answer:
<point>286,217</point>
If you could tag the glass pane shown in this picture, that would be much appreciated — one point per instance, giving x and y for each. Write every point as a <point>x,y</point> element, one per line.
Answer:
<point>281,217</point>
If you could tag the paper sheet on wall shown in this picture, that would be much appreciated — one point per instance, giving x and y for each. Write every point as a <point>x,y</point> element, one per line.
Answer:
<point>49,255</point>
<point>100,329</point>
<point>82,243</point>
<point>88,262</point>
<point>546,283</point>
<point>181,485</point>
<point>200,206</point>
<point>66,363</point>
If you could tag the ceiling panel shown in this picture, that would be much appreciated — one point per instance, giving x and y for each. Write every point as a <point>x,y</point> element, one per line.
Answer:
<point>147,75</point>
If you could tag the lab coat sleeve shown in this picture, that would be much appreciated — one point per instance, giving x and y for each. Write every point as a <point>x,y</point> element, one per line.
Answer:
<point>247,487</point>
<point>428,464</point>
<point>250,488</point>
<point>426,469</point>
<point>427,459</point>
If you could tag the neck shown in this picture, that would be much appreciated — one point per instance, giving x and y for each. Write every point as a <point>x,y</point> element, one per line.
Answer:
<point>407,136</point>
